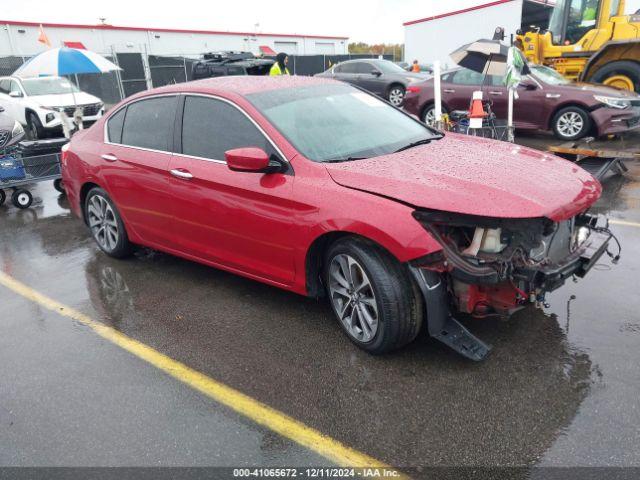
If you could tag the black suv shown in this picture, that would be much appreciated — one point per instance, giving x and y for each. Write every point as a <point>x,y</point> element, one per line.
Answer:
<point>220,64</point>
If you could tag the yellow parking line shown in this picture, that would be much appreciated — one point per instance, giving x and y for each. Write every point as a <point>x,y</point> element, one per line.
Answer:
<point>624,223</point>
<point>253,409</point>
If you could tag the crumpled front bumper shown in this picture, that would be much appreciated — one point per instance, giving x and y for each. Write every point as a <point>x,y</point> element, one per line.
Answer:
<point>610,121</point>
<point>550,278</point>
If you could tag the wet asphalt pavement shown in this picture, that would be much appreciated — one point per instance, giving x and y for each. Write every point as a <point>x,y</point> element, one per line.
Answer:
<point>561,387</point>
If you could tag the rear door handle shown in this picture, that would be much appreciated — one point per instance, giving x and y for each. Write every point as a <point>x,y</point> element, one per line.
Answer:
<point>109,157</point>
<point>495,93</point>
<point>448,90</point>
<point>181,174</point>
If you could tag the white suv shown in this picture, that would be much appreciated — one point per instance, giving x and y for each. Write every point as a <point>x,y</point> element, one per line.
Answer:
<point>37,102</point>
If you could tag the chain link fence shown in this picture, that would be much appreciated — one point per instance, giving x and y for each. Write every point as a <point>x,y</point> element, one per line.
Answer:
<point>141,71</point>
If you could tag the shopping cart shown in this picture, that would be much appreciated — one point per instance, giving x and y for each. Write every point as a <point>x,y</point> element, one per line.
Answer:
<point>17,172</point>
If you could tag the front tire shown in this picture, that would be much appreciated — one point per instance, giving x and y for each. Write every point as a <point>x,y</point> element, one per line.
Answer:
<point>3,196</point>
<point>372,295</point>
<point>396,95</point>
<point>106,224</point>
<point>36,130</point>
<point>571,123</point>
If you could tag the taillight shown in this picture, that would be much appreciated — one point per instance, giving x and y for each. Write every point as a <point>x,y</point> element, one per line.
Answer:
<point>64,153</point>
<point>413,89</point>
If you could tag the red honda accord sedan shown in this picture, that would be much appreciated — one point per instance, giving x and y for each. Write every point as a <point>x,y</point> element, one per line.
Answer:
<point>317,187</point>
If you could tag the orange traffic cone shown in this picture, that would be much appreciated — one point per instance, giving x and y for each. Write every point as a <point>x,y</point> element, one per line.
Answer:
<point>477,113</point>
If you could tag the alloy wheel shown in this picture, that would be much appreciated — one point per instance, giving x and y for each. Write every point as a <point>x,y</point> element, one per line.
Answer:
<point>570,124</point>
<point>103,223</point>
<point>353,298</point>
<point>396,96</point>
<point>430,117</point>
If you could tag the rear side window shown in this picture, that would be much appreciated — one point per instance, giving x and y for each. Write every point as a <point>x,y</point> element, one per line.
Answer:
<point>4,86</point>
<point>149,123</point>
<point>365,68</point>
<point>114,126</point>
<point>349,68</point>
<point>211,127</point>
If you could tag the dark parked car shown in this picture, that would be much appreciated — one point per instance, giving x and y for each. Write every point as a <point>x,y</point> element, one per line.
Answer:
<point>319,188</point>
<point>382,77</point>
<point>547,101</point>
<point>224,64</point>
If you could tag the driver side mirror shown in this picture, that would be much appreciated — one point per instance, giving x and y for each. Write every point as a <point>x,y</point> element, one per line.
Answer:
<point>1,109</point>
<point>529,85</point>
<point>15,94</point>
<point>250,160</point>
<point>376,73</point>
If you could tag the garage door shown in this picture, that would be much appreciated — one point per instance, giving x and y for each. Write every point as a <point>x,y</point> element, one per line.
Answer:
<point>325,48</point>
<point>287,47</point>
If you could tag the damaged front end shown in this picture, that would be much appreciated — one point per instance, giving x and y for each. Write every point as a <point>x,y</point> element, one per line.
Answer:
<point>496,266</point>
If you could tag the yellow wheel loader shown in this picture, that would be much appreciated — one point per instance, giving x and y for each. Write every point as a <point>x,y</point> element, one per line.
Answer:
<point>589,40</point>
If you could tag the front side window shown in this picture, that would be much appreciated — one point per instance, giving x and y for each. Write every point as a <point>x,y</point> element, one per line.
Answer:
<point>48,86</point>
<point>4,86</point>
<point>386,66</point>
<point>149,123</point>
<point>337,122</point>
<point>548,75</point>
<point>211,127</point>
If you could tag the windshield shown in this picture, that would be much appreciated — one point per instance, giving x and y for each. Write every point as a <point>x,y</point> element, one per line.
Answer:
<point>338,122</point>
<point>548,75</point>
<point>580,18</point>
<point>385,66</point>
<point>48,86</point>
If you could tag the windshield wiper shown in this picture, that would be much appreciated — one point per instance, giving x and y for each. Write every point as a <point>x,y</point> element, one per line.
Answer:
<point>340,160</point>
<point>424,141</point>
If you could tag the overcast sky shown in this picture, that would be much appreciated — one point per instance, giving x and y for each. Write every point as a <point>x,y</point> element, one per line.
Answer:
<point>371,21</point>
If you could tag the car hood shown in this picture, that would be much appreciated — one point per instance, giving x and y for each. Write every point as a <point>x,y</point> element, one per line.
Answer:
<point>65,99</point>
<point>476,177</point>
<point>598,90</point>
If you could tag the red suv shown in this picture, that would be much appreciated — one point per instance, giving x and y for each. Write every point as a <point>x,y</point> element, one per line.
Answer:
<point>317,187</point>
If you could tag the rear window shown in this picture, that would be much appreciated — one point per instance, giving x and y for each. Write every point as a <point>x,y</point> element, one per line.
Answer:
<point>149,123</point>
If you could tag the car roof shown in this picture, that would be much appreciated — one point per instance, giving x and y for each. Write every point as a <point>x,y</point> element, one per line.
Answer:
<point>243,84</point>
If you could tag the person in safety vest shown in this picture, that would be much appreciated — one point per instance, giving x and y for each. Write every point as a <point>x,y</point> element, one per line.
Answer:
<point>280,67</point>
<point>415,68</point>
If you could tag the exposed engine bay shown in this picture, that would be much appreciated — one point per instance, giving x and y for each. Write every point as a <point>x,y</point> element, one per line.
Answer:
<point>496,266</point>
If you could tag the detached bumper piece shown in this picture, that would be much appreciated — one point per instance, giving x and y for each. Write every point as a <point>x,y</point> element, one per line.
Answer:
<point>462,340</point>
<point>441,325</point>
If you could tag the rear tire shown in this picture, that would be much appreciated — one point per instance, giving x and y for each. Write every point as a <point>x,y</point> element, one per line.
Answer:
<point>36,130</point>
<point>3,197</point>
<point>106,225</point>
<point>571,123</point>
<point>22,198</point>
<point>374,298</point>
<point>428,114</point>
<point>622,69</point>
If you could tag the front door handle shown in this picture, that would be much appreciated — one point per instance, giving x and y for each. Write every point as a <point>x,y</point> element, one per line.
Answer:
<point>448,90</point>
<point>495,93</point>
<point>109,157</point>
<point>183,174</point>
